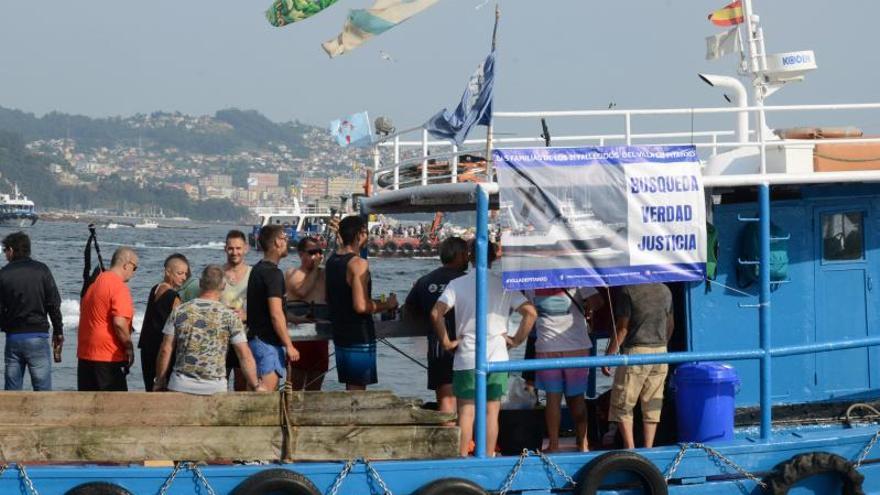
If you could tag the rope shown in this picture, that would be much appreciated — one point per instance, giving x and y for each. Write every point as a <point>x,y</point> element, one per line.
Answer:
<point>404,354</point>
<point>874,412</point>
<point>719,284</point>
<point>322,375</point>
<point>286,421</point>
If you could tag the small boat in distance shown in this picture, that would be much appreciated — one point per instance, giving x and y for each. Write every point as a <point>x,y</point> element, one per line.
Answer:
<point>146,224</point>
<point>16,210</point>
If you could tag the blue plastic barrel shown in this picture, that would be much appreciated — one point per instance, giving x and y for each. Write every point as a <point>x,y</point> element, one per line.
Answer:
<point>704,400</point>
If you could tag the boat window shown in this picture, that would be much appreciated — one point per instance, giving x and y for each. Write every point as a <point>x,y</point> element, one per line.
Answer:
<point>842,236</point>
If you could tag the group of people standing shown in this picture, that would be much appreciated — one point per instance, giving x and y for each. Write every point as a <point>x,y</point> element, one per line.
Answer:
<point>559,320</point>
<point>232,320</point>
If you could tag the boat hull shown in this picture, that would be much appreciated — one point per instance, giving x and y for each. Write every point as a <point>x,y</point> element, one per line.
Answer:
<point>20,221</point>
<point>698,473</point>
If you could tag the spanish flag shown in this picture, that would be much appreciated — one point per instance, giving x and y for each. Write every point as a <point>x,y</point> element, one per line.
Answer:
<point>730,15</point>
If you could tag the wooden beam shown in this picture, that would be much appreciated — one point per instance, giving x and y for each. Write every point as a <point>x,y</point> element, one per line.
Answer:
<point>318,443</point>
<point>114,409</point>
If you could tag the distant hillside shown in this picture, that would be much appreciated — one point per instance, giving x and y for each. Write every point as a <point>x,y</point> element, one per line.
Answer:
<point>226,131</point>
<point>32,174</point>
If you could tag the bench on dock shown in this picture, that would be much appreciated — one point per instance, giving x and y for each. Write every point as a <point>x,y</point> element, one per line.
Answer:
<point>139,426</point>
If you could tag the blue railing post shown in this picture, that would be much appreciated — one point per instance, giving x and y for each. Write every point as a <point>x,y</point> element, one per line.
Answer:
<point>482,246</point>
<point>764,312</point>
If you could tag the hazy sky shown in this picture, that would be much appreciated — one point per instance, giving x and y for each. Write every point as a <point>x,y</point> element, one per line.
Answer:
<point>117,57</point>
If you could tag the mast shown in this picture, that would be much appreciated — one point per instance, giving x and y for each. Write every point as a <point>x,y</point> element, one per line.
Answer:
<point>491,127</point>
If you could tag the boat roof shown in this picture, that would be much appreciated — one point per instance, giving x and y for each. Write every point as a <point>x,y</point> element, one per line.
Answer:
<point>461,196</point>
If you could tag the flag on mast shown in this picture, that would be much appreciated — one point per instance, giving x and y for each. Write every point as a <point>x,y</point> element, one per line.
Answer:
<point>721,44</point>
<point>284,12</point>
<point>475,107</point>
<point>729,15</point>
<point>363,24</point>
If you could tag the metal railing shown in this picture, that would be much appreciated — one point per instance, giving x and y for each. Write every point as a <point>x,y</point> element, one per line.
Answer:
<point>713,141</point>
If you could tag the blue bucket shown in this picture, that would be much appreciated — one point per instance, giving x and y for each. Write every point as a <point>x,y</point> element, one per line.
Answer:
<point>704,400</point>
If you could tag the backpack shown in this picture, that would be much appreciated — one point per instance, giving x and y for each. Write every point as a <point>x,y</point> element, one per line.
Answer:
<point>750,250</point>
<point>89,275</point>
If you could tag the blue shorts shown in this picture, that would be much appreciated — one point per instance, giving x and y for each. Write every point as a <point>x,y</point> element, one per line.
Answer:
<point>269,357</point>
<point>356,364</point>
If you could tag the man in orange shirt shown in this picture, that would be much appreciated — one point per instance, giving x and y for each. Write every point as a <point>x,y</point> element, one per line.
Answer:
<point>104,346</point>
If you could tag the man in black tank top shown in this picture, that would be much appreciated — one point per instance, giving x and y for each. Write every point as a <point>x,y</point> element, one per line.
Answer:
<point>352,307</point>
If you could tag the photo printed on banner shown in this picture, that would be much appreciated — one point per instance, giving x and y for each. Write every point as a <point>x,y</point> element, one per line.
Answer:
<point>600,216</point>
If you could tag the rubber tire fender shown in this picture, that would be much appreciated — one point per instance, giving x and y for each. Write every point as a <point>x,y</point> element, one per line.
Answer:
<point>786,474</point>
<point>653,482</point>
<point>390,248</point>
<point>451,486</point>
<point>407,249</point>
<point>98,488</point>
<point>276,481</point>
<point>373,249</point>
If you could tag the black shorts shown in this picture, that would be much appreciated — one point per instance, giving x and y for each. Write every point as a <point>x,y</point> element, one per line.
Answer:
<point>440,371</point>
<point>96,376</point>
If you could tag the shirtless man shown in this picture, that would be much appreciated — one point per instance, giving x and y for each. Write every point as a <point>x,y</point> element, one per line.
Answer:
<point>306,283</point>
<point>234,295</point>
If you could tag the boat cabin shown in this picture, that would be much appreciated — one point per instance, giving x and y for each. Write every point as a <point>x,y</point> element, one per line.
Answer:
<point>298,222</point>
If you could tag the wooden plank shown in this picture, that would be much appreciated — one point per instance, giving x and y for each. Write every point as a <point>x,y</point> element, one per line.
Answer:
<point>318,443</point>
<point>111,409</point>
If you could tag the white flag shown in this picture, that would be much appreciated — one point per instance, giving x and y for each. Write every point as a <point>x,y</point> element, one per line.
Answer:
<point>363,24</point>
<point>722,43</point>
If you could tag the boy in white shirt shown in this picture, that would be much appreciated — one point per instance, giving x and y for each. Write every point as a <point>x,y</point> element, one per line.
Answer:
<point>461,295</point>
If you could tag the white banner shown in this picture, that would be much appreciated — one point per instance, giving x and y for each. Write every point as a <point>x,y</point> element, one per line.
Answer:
<point>600,216</point>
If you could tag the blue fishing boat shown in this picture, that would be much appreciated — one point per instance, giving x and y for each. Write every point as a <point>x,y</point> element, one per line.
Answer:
<point>791,308</point>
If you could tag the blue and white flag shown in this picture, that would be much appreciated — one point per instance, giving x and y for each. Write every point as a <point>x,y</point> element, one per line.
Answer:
<point>364,24</point>
<point>354,130</point>
<point>602,216</point>
<point>475,107</point>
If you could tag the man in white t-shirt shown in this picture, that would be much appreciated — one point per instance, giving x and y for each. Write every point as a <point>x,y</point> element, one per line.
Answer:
<point>563,332</point>
<point>461,295</point>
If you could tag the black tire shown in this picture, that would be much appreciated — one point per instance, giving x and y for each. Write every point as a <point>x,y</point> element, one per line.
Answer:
<point>787,474</point>
<point>276,481</point>
<point>373,249</point>
<point>451,486</point>
<point>390,248</point>
<point>97,488</point>
<point>599,468</point>
<point>407,250</point>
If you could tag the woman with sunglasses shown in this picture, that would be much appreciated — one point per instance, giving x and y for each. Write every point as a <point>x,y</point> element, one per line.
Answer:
<point>162,299</point>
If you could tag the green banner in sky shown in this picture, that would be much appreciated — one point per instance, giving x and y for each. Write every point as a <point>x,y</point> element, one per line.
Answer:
<point>284,12</point>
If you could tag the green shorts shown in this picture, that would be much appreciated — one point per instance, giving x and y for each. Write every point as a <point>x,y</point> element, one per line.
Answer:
<point>464,385</point>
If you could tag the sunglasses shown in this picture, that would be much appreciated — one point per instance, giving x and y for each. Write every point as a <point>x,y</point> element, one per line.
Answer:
<point>134,266</point>
<point>313,252</point>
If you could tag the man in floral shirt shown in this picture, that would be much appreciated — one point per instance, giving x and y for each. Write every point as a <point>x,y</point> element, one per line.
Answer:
<point>198,333</point>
